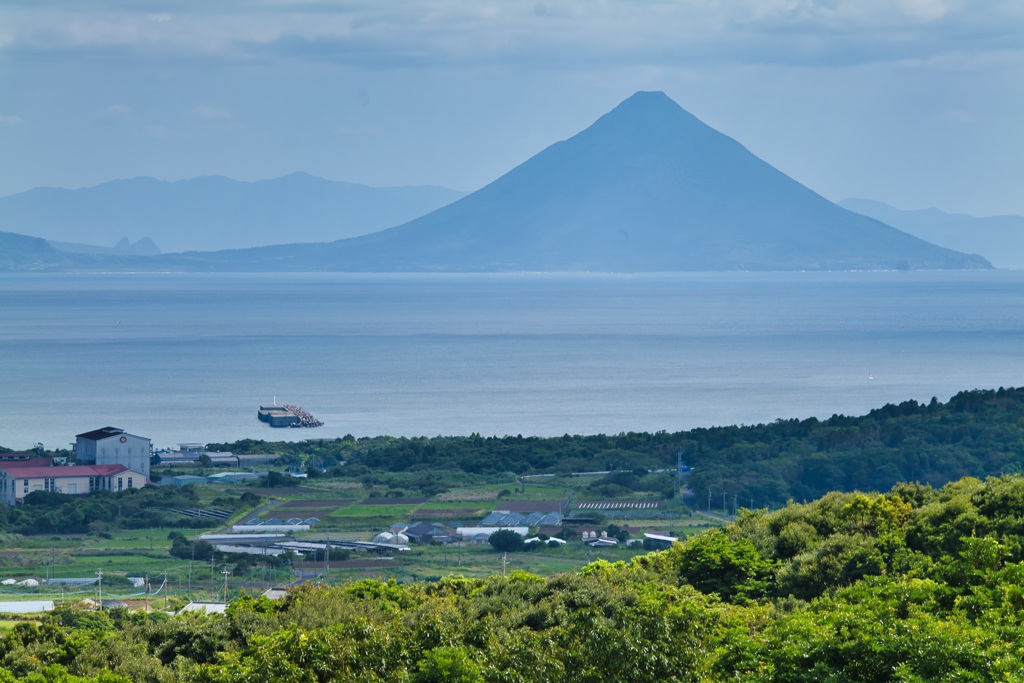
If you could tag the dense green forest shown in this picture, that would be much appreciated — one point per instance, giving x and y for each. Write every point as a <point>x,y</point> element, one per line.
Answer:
<point>976,433</point>
<point>917,584</point>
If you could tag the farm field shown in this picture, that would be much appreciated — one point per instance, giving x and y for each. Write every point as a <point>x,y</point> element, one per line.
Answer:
<point>346,511</point>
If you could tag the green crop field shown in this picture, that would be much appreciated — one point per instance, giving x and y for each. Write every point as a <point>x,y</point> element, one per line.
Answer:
<point>347,510</point>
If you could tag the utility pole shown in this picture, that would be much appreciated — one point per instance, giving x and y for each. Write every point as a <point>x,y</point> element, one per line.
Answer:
<point>165,590</point>
<point>679,472</point>
<point>734,497</point>
<point>709,500</point>
<point>327,557</point>
<point>147,593</point>
<point>99,575</point>
<point>226,573</point>
<point>504,560</point>
<point>725,510</point>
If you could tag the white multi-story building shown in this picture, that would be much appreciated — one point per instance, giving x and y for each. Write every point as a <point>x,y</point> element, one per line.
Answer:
<point>113,446</point>
<point>18,479</point>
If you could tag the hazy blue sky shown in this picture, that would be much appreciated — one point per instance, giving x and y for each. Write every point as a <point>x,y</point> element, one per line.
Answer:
<point>916,103</point>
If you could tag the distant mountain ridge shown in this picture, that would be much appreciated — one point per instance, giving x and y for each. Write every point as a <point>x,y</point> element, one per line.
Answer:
<point>141,247</point>
<point>22,253</point>
<point>648,187</point>
<point>1000,239</point>
<point>211,213</point>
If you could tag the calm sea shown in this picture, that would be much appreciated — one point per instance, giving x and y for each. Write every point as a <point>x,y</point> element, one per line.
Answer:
<point>189,357</point>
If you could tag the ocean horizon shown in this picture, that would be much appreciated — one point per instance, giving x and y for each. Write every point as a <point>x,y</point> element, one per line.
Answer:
<point>183,358</point>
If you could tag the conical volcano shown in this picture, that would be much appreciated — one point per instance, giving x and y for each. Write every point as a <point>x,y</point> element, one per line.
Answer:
<point>647,187</point>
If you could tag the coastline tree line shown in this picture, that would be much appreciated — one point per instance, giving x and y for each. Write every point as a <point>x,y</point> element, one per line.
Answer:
<point>976,433</point>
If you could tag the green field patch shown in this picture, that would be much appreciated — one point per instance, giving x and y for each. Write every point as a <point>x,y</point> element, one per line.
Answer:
<point>359,524</point>
<point>469,495</point>
<point>325,486</point>
<point>483,561</point>
<point>393,501</point>
<point>158,543</point>
<point>435,505</point>
<point>316,503</point>
<point>373,511</point>
<point>372,562</point>
<point>123,563</point>
<point>453,513</point>
<point>7,624</point>
<point>528,506</point>
<point>302,513</point>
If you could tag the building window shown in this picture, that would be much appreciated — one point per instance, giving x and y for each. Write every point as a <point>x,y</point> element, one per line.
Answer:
<point>120,483</point>
<point>25,487</point>
<point>129,482</point>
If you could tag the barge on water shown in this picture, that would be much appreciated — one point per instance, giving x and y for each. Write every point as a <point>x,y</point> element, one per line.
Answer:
<point>287,416</point>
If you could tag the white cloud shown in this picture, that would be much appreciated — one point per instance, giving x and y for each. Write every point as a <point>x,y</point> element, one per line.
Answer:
<point>207,113</point>
<point>11,121</point>
<point>458,91</point>
<point>419,33</point>
<point>116,112</point>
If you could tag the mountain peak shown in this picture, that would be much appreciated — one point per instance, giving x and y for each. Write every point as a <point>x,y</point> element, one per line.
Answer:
<point>646,187</point>
<point>647,105</point>
<point>653,123</point>
<point>649,98</point>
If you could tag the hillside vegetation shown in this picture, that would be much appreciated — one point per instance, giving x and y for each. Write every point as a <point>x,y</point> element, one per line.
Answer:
<point>918,584</point>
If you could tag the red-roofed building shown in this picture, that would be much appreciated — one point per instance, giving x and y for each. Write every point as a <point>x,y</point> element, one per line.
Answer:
<point>18,479</point>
